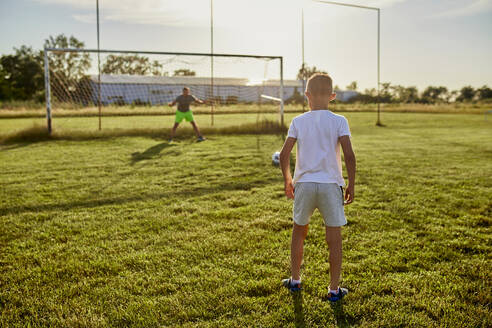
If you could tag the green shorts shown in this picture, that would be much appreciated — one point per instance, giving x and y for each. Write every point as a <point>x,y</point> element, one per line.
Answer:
<point>180,116</point>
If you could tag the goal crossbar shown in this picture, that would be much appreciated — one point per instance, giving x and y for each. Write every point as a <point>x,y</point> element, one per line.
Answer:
<point>162,53</point>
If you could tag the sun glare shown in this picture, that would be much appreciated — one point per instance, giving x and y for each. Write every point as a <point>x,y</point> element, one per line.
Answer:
<point>255,81</point>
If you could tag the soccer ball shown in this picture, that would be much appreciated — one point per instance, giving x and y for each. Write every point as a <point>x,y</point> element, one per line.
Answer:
<point>276,158</point>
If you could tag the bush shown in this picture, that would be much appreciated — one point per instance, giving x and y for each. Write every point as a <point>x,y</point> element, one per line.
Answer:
<point>232,100</point>
<point>140,102</point>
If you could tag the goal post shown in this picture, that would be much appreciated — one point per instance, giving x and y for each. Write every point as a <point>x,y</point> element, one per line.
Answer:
<point>136,80</point>
<point>47,90</point>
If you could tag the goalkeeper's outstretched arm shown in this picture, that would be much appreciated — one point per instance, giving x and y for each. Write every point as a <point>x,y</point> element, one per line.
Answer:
<point>198,100</point>
<point>172,103</point>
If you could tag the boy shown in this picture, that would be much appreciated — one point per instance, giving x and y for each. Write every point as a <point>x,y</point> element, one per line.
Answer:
<point>318,181</point>
<point>184,100</point>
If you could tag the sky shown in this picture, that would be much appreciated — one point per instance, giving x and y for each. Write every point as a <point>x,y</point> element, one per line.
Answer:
<point>439,42</point>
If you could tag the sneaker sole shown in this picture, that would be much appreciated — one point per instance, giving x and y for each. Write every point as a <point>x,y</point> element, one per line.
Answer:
<point>286,284</point>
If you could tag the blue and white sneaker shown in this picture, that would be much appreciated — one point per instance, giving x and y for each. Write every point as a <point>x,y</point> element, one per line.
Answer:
<point>332,297</point>
<point>287,283</point>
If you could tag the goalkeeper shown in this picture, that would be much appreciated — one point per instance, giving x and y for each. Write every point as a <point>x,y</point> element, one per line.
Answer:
<point>184,113</point>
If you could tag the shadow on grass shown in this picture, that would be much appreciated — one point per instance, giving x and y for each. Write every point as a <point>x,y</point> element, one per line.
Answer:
<point>339,315</point>
<point>298,310</point>
<point>38,133</point>
<point>342,319</point>
<point>24,138</point>
<point>150,153</point>
<point>15,146</point>
<point>192,191</point>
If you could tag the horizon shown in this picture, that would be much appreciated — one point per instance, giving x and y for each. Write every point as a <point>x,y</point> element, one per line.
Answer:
<point>455,38</point>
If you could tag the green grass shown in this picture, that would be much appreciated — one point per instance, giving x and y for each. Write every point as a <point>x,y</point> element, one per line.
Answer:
<point>38,110</point>
<point>133,231</point>
<point>91,124</point>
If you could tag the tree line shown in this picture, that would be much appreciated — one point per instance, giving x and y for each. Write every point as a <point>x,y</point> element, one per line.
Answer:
<point>22,73</point>
<point>390,93</point>
<point>22,77</point>
<point>430,95</point>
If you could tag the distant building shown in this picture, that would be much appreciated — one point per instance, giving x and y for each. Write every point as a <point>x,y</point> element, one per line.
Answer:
<point>158,90</point>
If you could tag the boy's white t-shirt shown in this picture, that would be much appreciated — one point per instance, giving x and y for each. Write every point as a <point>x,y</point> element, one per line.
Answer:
<point>318,149</point>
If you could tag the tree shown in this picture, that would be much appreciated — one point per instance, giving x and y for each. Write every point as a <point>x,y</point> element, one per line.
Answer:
<point>385,94</point>
<point>73,65</point>
<point>403,94</point>
<point>21,75</point>
<point>371,92</point>
<point>452,95</point>
<point>67,68</point>
<point>7,90</point>
<point>131,65</point>
<point>157,69</point>
<point>305,72</point>
<point>466,94</point>
<point>352,86</point>
<point>435,94</point>
<point>411,95</point>
<point>184,72</point>
<point>484,93</point>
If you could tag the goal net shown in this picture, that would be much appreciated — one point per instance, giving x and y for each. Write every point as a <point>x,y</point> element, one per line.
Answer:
<point>133,83</point>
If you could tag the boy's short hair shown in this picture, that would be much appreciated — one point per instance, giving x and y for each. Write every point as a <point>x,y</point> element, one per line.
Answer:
<point>186,88</point>
<point>320,84</point>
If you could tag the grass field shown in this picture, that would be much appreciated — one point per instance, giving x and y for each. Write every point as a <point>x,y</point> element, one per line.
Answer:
<point>165,122</point>
<point>38,110</point>
<point>134,231</point>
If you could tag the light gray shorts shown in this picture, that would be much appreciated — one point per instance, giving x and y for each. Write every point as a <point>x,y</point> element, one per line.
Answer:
<point>327,197</point>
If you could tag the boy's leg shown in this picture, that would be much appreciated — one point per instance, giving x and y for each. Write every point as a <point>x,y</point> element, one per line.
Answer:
<point>179,117</point>
<point>299,233</point>
<point>195,127</point>
<point>334,241</point>
<point>330,201</point>
<point>173,130</point>
<point>304,206</point>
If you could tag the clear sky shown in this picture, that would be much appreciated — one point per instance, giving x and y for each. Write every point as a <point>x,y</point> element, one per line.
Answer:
<point>439,42</point>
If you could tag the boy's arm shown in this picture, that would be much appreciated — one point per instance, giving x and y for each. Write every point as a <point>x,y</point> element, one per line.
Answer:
<point>350,163</point>
<point>198,100</point>
<point>285,166</point>
<point>171,104</point>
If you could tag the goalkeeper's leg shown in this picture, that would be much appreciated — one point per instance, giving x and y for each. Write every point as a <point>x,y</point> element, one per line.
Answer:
<point>195,127</point>
<point>173,130</point>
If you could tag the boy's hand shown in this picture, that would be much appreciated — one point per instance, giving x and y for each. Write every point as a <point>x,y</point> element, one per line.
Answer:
<point>170,104</point>
<point>349,195</point>
<point>289,189</point>
<point>285,166</point>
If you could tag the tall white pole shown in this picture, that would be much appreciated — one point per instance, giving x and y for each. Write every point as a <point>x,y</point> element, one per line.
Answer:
<point>47,89</point>
<point>378,122</point>
<point>303,66</point>
<point>98,67</point>
<point>281,91</point>
<point>212,61</point>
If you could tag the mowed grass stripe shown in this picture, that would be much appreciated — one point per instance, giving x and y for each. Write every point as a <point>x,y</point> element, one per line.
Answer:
<point>134,231</point>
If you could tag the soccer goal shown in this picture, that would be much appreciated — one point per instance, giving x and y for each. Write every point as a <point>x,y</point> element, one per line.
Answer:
<point>93,83</point>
